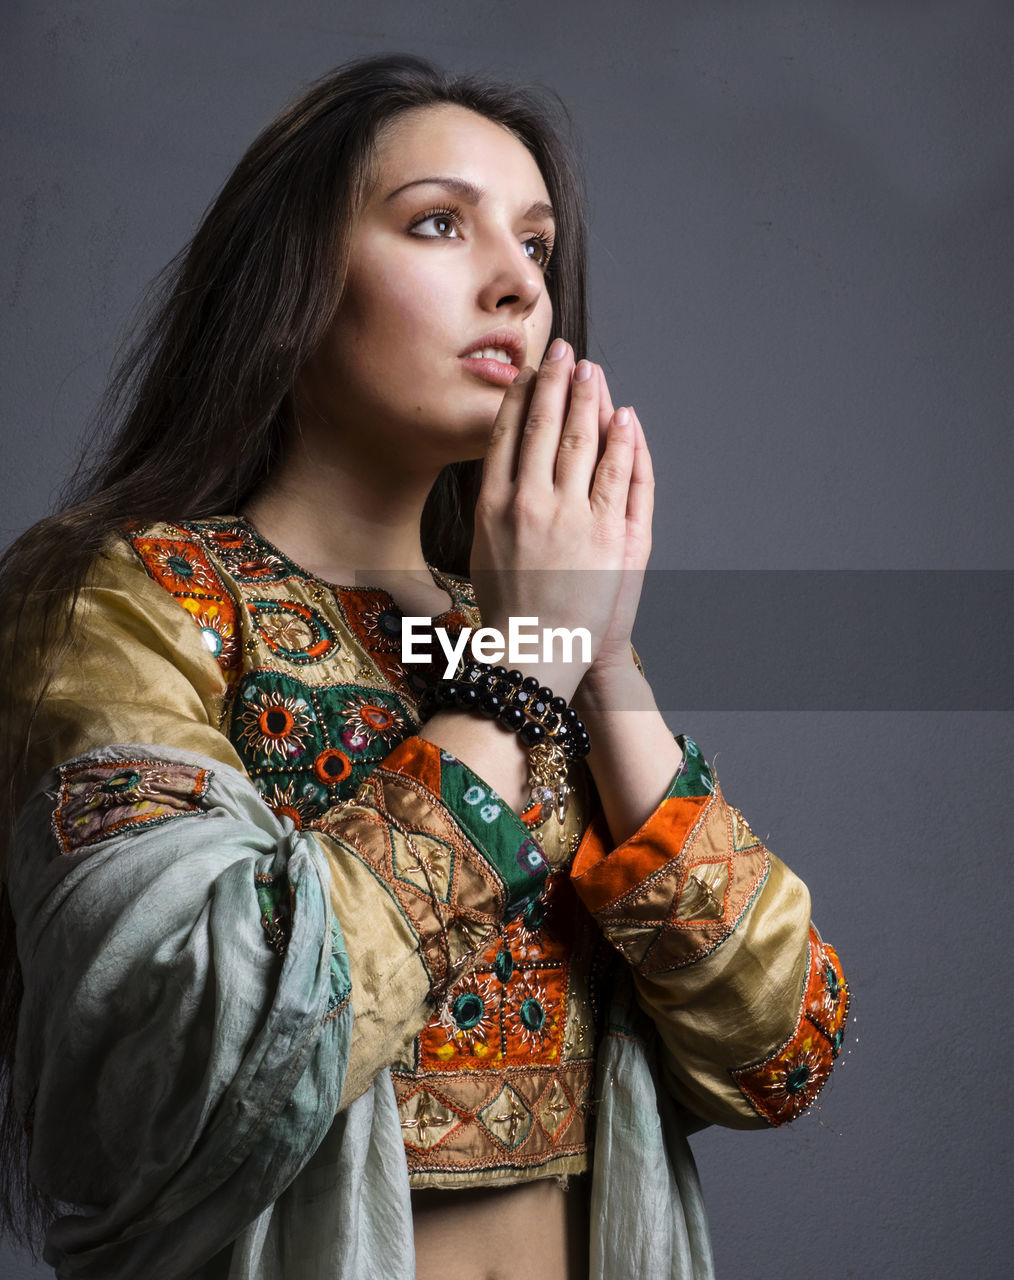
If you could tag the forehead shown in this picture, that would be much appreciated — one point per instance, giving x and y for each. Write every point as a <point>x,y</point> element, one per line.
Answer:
<point>451,141</point>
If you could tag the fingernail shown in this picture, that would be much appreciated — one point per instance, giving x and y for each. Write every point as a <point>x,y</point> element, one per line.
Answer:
<point>583,371</point>
<point>558,350</point>
<point>526,375</point>
<point>622,417</point>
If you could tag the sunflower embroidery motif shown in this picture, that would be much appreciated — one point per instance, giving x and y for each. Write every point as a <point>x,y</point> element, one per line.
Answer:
<point>531,1013</point>
<point>217,633</point>
<point>183,568</point>
<point>274,724</point>
<point>785,1086</point>
<point>368,718</point>
<point>283,801</point>
<point>469,1016</point>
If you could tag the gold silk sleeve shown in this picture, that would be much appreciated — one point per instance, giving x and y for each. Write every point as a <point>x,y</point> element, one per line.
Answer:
<point>748,1002</point>
<point>136,671</point>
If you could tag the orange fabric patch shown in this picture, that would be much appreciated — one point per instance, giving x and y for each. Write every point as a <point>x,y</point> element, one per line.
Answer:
<point>182,568</point>
<point>512,1008</point>
<point>785,1084</point>
<point>416,758</point>
<point>602,875</point>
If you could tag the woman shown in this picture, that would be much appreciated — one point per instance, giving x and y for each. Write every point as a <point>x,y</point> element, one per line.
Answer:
<point>323,969</point>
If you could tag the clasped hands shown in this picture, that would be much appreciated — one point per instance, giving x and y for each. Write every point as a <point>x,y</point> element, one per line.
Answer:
<point>563,518</point>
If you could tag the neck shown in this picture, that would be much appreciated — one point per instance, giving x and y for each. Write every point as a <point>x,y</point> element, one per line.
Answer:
<point>347,517</point>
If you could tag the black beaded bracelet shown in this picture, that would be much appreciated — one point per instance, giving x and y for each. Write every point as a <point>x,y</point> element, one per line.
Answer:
<point>517,702</point>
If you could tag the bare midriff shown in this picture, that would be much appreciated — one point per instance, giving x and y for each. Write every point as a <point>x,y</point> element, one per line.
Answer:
<point>536,1230</point>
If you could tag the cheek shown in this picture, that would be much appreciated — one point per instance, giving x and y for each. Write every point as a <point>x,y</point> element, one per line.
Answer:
<point>541,330</point>
<point>392,305</point>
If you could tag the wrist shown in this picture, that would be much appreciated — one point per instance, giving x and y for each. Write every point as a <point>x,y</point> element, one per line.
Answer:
<point>605,691</point>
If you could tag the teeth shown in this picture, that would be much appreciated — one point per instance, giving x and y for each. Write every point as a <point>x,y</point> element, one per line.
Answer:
<point>492,353</point>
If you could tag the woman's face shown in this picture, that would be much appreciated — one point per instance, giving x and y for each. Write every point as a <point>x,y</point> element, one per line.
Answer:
<point>447,260</point>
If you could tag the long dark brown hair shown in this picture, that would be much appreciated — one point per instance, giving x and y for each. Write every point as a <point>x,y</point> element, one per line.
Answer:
<point>193,418</point>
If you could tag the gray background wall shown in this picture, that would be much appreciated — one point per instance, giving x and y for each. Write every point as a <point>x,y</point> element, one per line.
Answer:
<point>801,271</point>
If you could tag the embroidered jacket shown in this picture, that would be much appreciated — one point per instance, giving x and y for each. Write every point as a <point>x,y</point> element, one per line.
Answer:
<point>283,906</point>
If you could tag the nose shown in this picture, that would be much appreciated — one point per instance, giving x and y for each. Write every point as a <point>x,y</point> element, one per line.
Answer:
<point>513,281</point>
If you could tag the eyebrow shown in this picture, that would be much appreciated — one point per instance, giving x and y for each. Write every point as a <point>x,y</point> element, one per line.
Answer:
<point>470,193</point>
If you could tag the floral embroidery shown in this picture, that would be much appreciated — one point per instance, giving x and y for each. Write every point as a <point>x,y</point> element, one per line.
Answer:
<point>218,631</point>
<point>274,725</point>
<point>785,1084</point>
<point>245,556</point>
<point>319,741</point>
<point>512,1006</point>
<point>827,996</point>
<point>182,567</point>
<point>294,631</point>
<point>369,717</point>
<point>309,738</point>
<point>332,766</point>
<point>533,1018</point>
<point>375,620</point>
<point>469,1018</point>
<point>286,803</point>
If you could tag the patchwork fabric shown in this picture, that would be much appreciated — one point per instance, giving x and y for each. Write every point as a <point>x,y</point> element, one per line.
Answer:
<point>523,1015</point>
<point>513,1005</point>
<point>668,898</point>
<point>96,801</point>
<point>320,707</point>
<point>323,716</point>
<point>488,1123</point>
<point>453,891</point>
<point>679,886</point>
<point>788,1080</point>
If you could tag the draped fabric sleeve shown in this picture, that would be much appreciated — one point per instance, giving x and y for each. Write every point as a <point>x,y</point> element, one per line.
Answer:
<point>748,1001</point>
<point>206,986</point>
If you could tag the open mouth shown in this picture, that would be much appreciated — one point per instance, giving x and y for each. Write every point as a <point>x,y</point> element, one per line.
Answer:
<point>491,353</point>
<point>491,364</point>
<point>495,357</point>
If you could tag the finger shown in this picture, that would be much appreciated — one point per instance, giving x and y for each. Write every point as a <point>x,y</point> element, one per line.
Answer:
<point>500,460</point>
<point>612,475</point>
<point>540,436</point>
<point>641,494</point>
<point>605,408</point>
<point>579,443</point>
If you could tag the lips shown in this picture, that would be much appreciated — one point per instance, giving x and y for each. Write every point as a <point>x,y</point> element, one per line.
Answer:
<point>495,357</point>
<point>504,344</point>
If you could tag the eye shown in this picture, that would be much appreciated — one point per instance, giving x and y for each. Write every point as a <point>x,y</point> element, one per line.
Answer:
<point>539,248</point>
<point>444,224</point>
